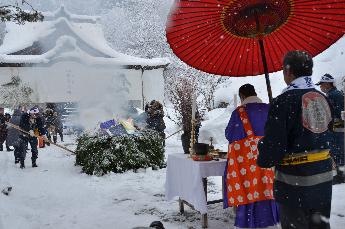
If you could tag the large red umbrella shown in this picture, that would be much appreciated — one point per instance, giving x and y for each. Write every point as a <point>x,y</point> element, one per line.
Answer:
<point>251,37</point>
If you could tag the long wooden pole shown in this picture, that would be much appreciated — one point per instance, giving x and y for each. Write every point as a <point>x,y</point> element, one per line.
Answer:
<point>173,134</point>
<point>20,129</point>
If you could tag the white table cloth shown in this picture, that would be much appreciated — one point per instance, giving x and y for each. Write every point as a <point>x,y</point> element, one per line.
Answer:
<point>184,179</point>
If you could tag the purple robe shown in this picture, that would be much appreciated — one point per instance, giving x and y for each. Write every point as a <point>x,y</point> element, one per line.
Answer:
<point>259,214</point>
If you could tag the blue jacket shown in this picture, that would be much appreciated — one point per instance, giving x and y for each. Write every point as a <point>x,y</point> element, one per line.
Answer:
<point>25,124</point>
<point>336,99</point>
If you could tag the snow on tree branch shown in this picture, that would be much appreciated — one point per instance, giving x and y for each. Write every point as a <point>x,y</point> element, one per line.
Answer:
<point>15,93</point>
<point>16,14</point>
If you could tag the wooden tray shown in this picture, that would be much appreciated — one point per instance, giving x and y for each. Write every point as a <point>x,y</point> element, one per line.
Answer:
<point>202,157</point>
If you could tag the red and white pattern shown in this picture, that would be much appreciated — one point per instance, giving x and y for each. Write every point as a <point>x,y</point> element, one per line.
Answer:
<point>247,183</point>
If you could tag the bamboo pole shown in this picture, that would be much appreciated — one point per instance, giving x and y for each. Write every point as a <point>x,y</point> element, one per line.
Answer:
<point>173,134</point>
<point>20,129</point>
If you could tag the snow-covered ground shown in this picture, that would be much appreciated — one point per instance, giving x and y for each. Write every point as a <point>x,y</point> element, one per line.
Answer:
<point>56,195</point>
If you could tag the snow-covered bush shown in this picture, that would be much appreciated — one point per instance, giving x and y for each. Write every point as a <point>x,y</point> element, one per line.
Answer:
<point>100,155</point>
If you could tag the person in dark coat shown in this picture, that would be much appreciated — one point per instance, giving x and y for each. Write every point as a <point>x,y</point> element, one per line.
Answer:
<point>58,125</point>
<point>3,129</point>
<point>13,134</point>
<point>155,115</point>
<point>7,119</point>
<point>336,99</point>
<point>32,123</point>
<point>296,142</point>
<point>49,125</point>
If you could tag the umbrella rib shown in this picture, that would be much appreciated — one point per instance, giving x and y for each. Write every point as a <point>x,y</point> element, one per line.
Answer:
<point>200,7</point>
<point>198,17</point>
<point>204,1</point>
<point>189,34</point>
<point>196,42</point>
<point>195,46</point>
<point>246,59</point>
<point>301,31</point>
<point>275,52</point>
<point>190,31</point>
<point>279,43</point>
<point>266,45</point>
<point>213,49</point>
<point>301,3</point>
<point>227,52</point>
<point>228,46</point>
<point>197,12</point>
<point>301,27</point>
<point>273,40</point>
<point>260,62</point>
<point>318,13</point>
<point>234,56</point>
<point>312,22</point>
<point>202,17</point>
<point>302,38</point>
<point>216,50</point>
<point>319,22</point>
<point>307,9</point>
<point>192,24</point>
<point>252,48</point>
<point>287,41</point>
<point>241,51</point>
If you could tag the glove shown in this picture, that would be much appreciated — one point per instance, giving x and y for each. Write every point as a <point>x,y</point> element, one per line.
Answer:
<point>32,134</point>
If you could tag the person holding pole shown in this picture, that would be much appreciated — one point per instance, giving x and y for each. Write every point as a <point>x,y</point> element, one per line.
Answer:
<point>296,143</point>
<point>336,98</point>
<point>31,123</point>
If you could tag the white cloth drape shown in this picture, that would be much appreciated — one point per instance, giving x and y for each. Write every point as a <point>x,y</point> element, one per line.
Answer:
<point>184,179</point>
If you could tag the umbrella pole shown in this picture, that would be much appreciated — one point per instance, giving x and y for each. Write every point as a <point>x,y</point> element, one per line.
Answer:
<point>264,62</point>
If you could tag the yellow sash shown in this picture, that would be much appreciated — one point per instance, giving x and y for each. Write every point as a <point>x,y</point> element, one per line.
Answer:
<point>303,158</point>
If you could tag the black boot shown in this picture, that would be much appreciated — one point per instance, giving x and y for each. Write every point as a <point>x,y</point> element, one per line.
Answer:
<point>1,148</point>
<point>8,148</point>
<point>22,165</point>
<point>34,165</point>
<point>16,160</point>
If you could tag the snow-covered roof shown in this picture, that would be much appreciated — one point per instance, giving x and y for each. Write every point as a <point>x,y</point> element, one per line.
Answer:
<point>63,12</point>
<point>64,35</point>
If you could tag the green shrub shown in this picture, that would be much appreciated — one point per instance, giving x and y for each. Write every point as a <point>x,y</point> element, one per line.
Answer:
<point>100,155</point>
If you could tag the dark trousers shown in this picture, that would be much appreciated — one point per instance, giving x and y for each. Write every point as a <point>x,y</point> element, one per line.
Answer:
<point>17,152</point>
<point>300,218</point>
<point>23,146</point>
<point>337,148</point>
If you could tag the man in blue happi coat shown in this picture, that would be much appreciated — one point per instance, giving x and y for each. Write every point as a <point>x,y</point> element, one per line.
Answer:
<point>336,99</point>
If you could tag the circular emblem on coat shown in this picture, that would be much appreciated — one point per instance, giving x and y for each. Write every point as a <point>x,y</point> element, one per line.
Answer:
<point>316,113</point>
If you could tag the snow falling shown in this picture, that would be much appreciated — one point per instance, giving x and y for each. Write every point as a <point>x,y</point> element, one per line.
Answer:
<point>108,56</point>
